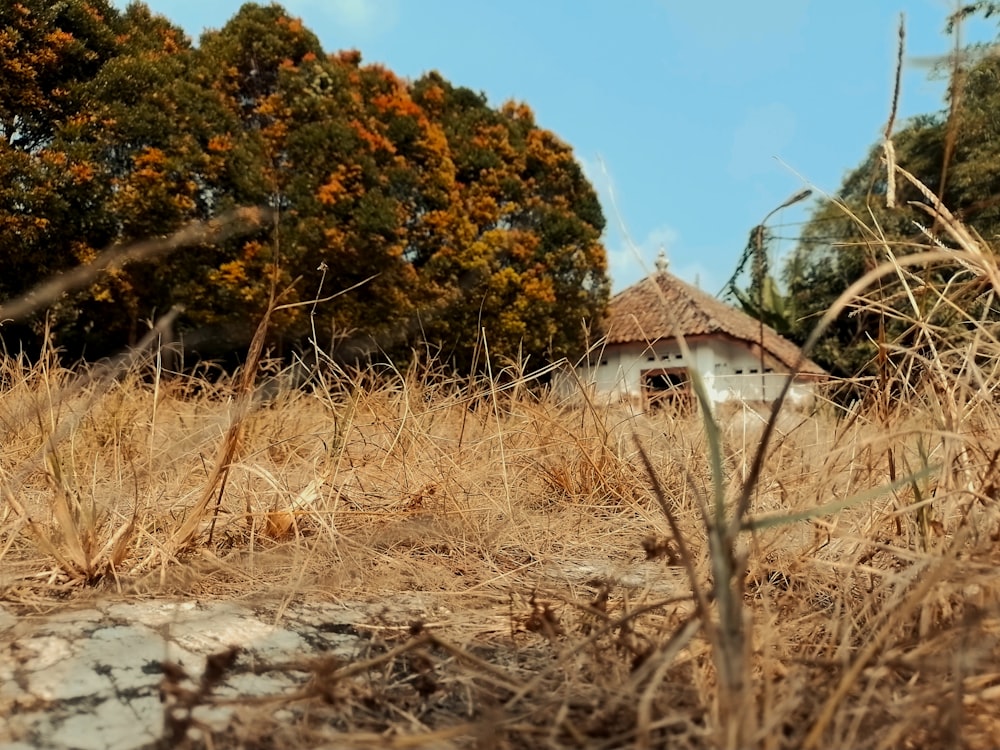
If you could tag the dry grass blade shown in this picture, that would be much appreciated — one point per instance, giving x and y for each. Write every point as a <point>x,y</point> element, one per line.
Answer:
<point>663,661</point>
<point>828,509</point>
<point>727,634</point>
<point>215,487</point>
<point>685,554</point>
<point>887,145</point>
<point>74,547</point>
<point>213,230</point>
<point>893,617</point>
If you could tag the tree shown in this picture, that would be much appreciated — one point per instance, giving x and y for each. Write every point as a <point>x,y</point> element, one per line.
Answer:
<point>373,179</point>
<point>45,49</point>
<point>382,186</point>
<point>165,149</point>
<point>523,258</point>
<point>763,297</point>
<point>847,237</point>
<point>47,193</point>
<point>436,214</point>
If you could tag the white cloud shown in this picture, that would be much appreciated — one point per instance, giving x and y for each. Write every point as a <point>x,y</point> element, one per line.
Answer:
<point>753,27</point>
<point>358,14</point>
<point>630,258</point>
<point>703,277</point>
<point>366,17</point>
<point>630,261</point>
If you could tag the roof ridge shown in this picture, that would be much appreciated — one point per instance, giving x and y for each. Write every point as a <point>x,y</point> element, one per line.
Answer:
<point>715,301</point>
<point>637,313</point>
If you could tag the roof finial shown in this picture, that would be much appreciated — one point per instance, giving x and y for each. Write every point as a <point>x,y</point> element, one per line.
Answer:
<point>661,260</point>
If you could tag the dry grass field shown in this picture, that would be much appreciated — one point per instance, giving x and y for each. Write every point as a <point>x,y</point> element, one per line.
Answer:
<point>584,600</point>
<point>599,579</point>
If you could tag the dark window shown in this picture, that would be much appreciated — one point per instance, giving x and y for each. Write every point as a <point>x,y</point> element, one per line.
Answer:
<point>668,389</point>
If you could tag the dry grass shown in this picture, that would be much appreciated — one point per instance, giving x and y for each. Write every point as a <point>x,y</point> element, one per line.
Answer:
<point>593,578</point>
<point>525,520</point>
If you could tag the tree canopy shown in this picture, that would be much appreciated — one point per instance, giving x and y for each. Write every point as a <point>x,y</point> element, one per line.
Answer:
<point>436,214</point>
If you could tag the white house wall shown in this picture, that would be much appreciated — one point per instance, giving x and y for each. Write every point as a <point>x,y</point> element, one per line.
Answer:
<point>733,358</point>
<point>616,372</point>
<point>736,376</point>
<point>730,370</point>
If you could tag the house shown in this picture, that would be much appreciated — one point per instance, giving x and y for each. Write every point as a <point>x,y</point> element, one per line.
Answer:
<point>639,358</point>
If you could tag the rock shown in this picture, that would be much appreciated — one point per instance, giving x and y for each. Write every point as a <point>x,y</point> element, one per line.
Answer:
<point>92,678</point>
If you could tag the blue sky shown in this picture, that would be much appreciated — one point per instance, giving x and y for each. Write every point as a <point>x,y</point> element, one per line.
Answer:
<point>694,119</point>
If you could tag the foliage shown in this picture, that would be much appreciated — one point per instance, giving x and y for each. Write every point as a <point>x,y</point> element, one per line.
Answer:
<point>851,234</point>
<point>524,248</point>
<point>46,48</point>
<point>763,297</point>
<point>48,200</point>
<point>438,216</point>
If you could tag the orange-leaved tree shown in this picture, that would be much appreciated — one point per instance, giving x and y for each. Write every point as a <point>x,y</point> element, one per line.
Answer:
<point>48,199</point>
<point>523,261</point>
<point>441,216</point>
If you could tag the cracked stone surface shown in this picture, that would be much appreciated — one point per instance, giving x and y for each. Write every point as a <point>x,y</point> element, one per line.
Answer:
<point>114,674</point>
<point>91,678</point>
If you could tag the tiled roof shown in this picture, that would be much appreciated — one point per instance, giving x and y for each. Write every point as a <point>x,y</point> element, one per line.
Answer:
<point>639,314</point>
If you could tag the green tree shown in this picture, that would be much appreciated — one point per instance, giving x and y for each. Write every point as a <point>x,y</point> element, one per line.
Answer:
<point>350,163</point>
<point>956,154</point>
<point>382,186</point>
<point>847,237</point>
<point>763,297</point>
<point>164,149</point>
<point>45,49</point>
